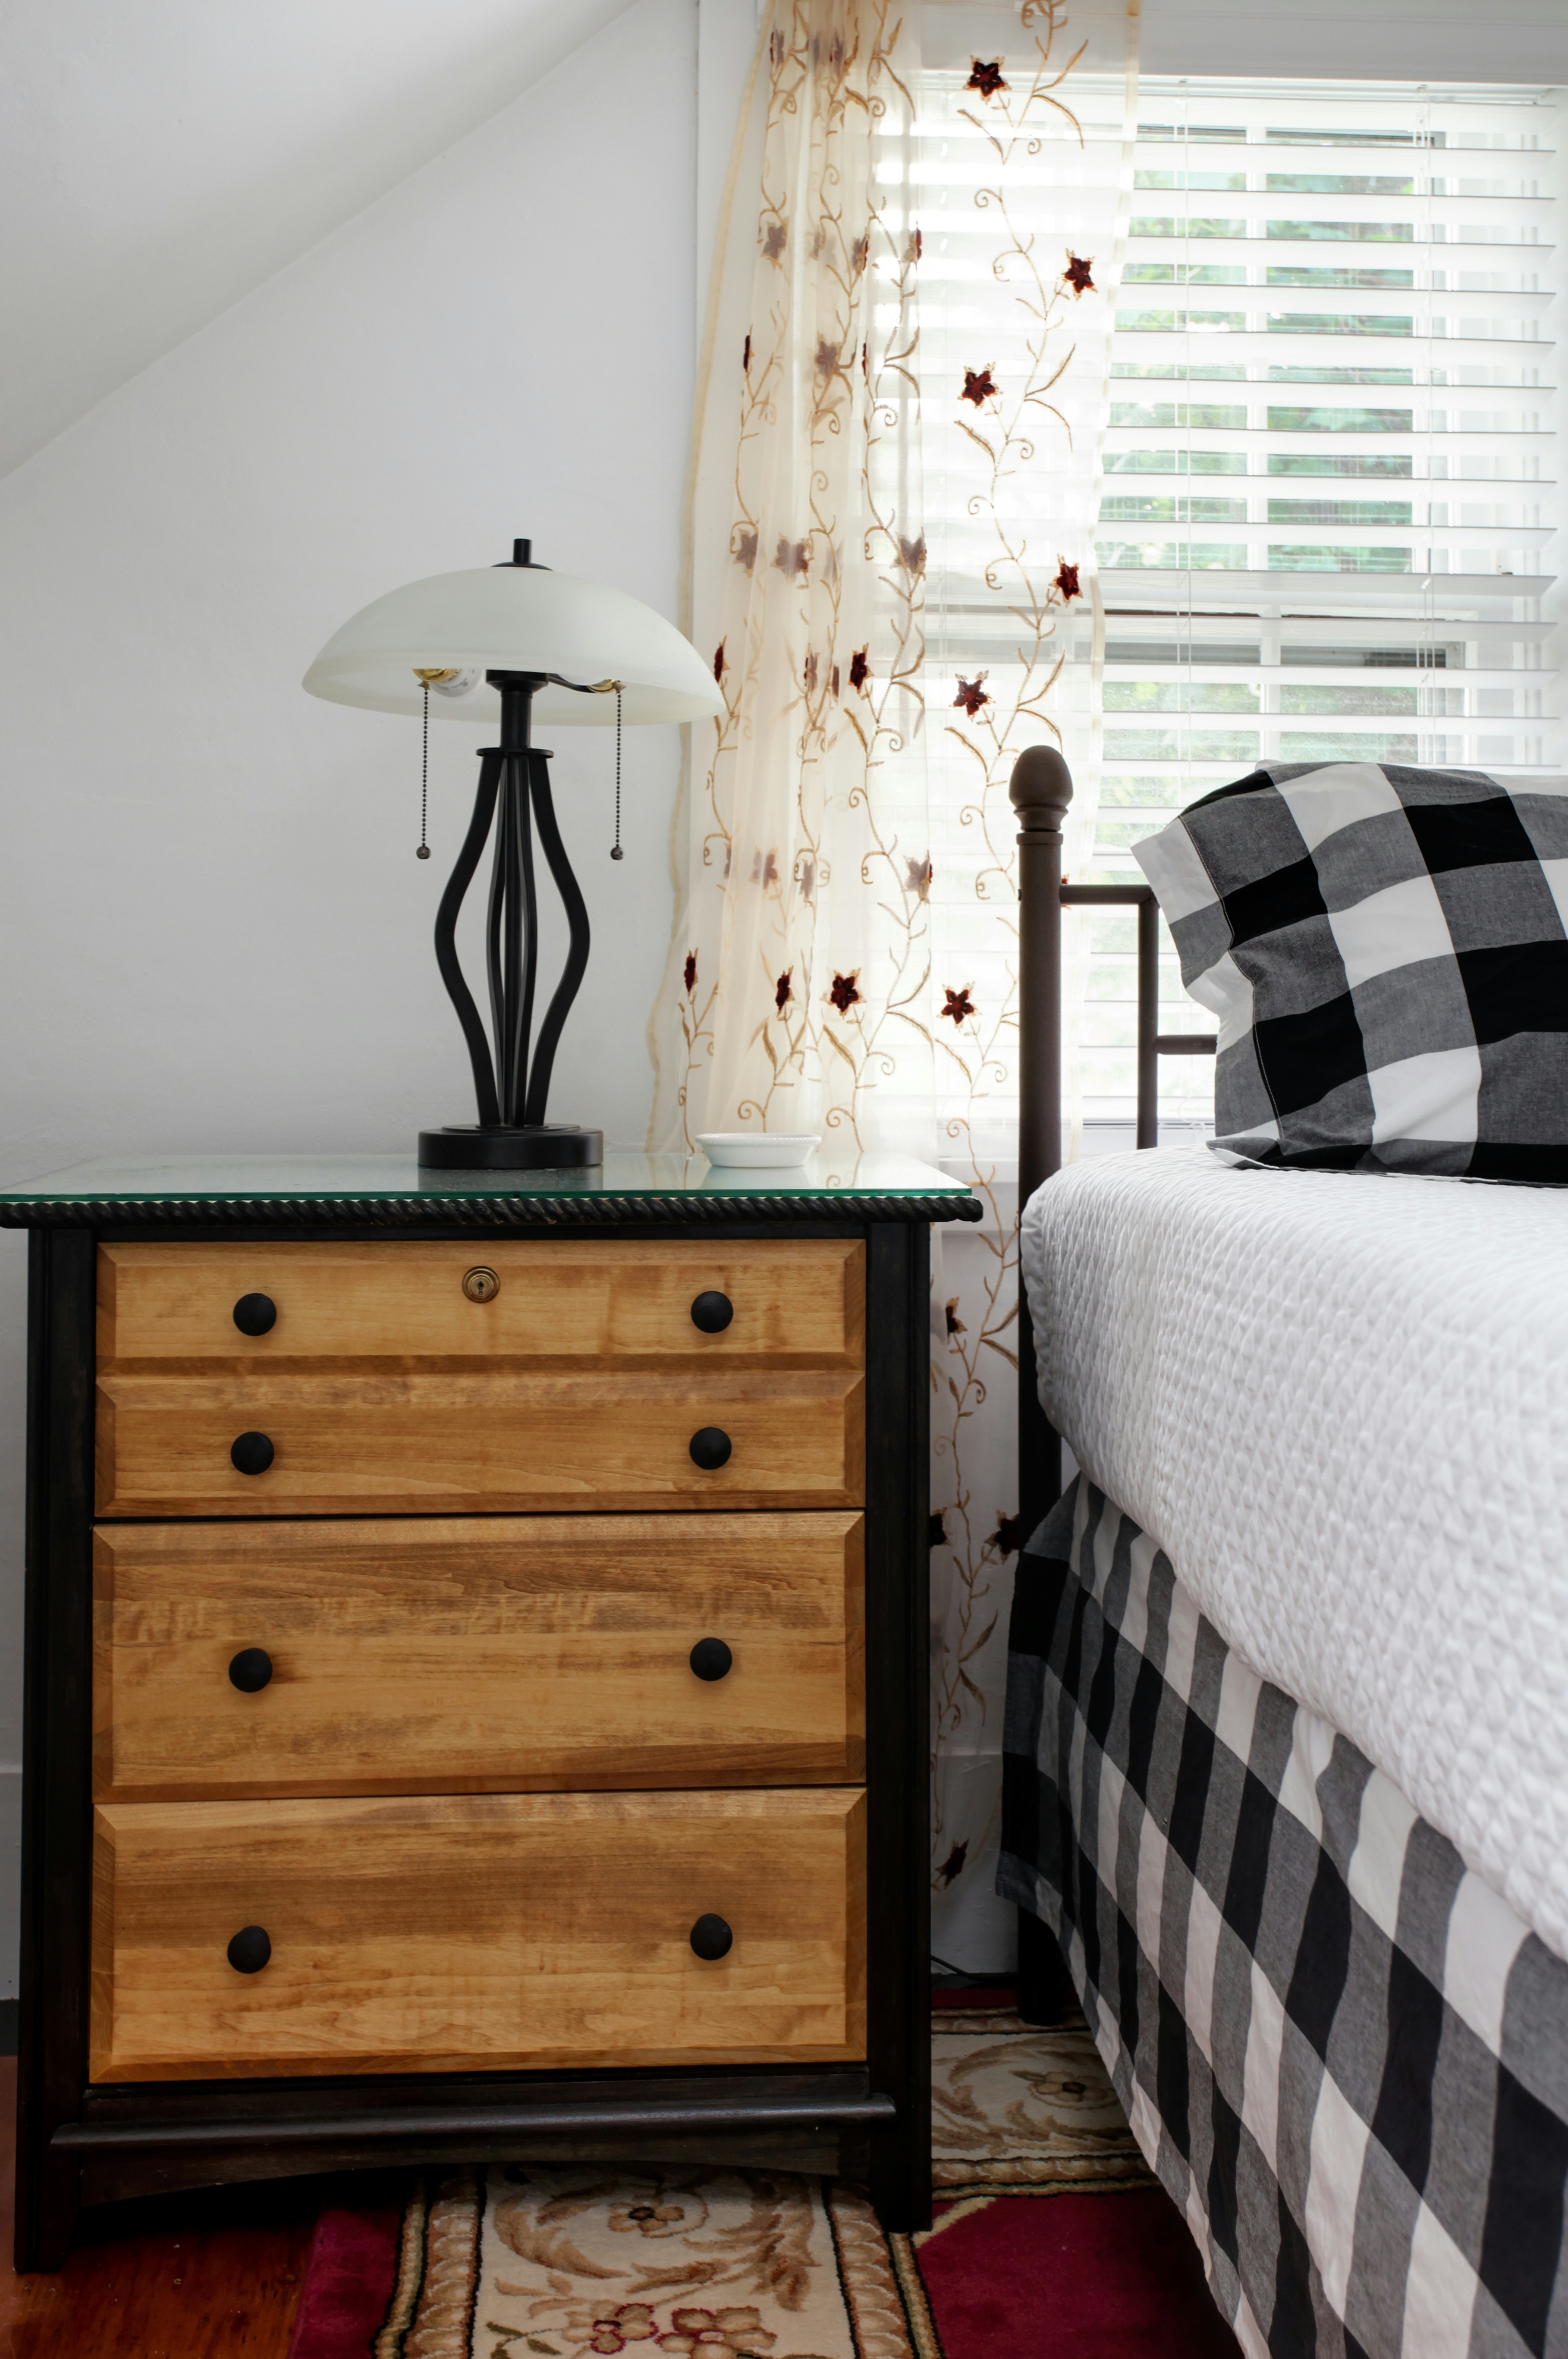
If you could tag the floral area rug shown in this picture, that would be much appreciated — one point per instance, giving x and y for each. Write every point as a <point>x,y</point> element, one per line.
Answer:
<point>586,2264</point>
<point>1016,2108</point>
<point>1023,2261</point>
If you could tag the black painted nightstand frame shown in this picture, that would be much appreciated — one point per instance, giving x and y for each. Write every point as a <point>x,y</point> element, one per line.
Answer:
<point>82,2145</point>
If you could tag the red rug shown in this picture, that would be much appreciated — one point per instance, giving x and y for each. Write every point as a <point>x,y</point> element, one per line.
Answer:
<point>347,2288</point>
<point>1070,2276</point>
<point>1096,2263</point>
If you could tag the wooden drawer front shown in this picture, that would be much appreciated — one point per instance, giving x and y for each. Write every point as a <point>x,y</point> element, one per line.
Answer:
<point>477,1932</point>
<point>586,1304</point>
<point>411,1445</point>
<point>476,1656</point>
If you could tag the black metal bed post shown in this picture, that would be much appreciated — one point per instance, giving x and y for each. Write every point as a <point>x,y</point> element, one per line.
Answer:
<point>1040,788</point>
<point>1147,1133</point>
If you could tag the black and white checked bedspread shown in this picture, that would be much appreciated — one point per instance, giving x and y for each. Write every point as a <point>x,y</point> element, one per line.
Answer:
<point>1344,2054</point>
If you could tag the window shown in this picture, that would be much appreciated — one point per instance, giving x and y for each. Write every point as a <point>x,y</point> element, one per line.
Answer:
<point>1376,578</point>
<point>1327,511</point>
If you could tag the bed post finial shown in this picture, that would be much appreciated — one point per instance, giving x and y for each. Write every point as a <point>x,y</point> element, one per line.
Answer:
<point>1041,790</point>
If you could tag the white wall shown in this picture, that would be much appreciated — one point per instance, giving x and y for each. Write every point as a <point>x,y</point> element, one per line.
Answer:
<point>215,934</point>
<point>158,162</point>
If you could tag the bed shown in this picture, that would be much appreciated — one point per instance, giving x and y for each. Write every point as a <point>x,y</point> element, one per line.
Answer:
<point>1286,1733</point>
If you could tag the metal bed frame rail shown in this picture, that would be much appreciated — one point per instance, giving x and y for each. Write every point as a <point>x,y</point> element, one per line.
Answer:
<point>1041,790</point>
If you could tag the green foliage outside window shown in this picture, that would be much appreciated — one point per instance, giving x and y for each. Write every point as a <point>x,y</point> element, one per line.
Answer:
<point>1304,273</point>
<point>1186,696</point>
<point>1165,323</point>
<point>1340,421</point>
<point>1209,181</point>
<point>1338,184</point>
<point>1386,466</point>
<point>1127,790</point>
<point>1177,507</point>
<point>1339,512</point>
<point>1338,323</point>
<point>1391,701</point>
<point>1346,232</point>
<point>1185,273</point>
<point>1204,557</point>
<point>1223,416</point>
<point>1170,745</point>
<point>1173,225</point>
<point>1182,372</point>
<point>1313,556</point>
<point>1175,462</point>
<point>1346,746</point>
<point>1314,373</point>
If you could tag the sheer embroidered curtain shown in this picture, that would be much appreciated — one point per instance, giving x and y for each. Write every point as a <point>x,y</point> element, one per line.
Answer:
<point>894,485</point>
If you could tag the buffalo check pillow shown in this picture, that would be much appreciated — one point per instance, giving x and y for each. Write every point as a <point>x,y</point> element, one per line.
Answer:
<point>1387,950</point>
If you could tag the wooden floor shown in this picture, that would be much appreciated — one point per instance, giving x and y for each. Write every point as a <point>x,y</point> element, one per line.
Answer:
<point>209,2275</point>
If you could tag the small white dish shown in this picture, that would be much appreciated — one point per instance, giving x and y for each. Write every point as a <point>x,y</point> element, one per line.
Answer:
<point>757,1151</point>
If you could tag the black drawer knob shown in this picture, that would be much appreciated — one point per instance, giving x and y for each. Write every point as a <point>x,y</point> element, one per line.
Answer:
<point>255,1314</point>
<point>250,1670</point>
<point>710,1658</point>
<point>713,1313</point>
<point>710,1447</point>
<point>252,1453</point>
<point>711,1938</point>
<point>250,1948</point>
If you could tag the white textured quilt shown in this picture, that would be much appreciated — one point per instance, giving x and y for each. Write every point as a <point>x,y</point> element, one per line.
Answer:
<point>1339,1401</point>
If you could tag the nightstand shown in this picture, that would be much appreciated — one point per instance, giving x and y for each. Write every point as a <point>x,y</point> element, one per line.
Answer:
<point>476,1673</point>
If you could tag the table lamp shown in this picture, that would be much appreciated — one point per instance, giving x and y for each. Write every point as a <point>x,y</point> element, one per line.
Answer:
<point>519,641</point>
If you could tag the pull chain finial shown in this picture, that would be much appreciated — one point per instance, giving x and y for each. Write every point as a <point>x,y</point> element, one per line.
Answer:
<point>424,851</point>
<point>618,853</point>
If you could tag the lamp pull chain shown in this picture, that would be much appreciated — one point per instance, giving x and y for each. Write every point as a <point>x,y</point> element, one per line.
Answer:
<point>618,853</point>
<point>424,851</point>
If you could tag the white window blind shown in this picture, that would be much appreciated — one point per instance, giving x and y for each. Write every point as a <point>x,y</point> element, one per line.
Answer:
<point>1331,501</point>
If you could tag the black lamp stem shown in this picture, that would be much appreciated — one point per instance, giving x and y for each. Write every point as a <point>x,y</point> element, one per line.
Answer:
<point>451,973</point>
<point>576,962</point>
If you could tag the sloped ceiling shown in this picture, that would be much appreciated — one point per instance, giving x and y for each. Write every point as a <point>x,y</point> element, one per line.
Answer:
<point>158,158</point>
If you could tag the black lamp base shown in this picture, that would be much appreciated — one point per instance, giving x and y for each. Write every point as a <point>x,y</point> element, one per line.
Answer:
<point>523,1146</point>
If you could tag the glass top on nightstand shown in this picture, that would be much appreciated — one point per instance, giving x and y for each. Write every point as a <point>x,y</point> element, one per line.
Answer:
<point>380,1183</point>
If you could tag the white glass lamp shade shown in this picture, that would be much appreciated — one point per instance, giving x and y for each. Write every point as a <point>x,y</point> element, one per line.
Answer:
<point>515,618</point>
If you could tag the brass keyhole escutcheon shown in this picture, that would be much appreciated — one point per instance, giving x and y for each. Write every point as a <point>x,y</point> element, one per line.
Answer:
<point>480,1285</point>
